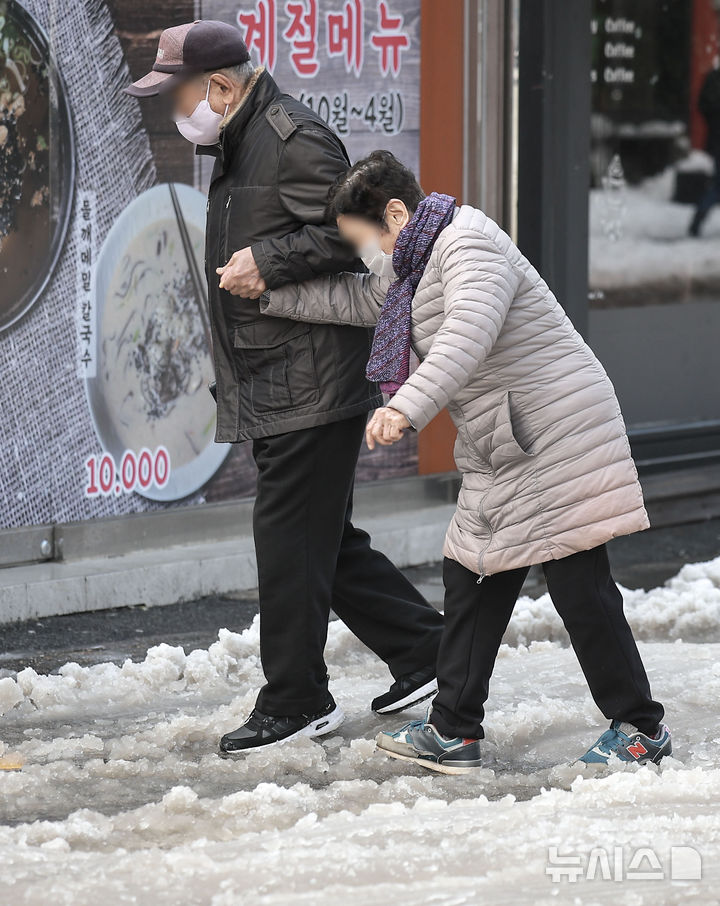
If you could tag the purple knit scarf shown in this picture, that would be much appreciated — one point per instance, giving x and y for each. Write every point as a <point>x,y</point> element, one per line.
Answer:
<point>389,363</point>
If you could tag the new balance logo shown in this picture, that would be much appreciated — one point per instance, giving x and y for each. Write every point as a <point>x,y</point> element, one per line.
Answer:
<point>637,749</point>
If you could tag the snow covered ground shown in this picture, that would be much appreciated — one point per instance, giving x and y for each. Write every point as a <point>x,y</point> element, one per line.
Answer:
<point>123,800</point>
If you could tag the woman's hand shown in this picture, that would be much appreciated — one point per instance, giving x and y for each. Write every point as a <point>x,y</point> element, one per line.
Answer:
<point>385,427</point>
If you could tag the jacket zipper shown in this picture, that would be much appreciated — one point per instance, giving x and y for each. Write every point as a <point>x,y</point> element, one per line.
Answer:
<point>226,256</point>
<point>482,553</point>
<point>481,512</point>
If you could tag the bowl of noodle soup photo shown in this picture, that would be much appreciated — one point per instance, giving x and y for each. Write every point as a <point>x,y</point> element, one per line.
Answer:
<point>153,348</point>
<point>37,162</point>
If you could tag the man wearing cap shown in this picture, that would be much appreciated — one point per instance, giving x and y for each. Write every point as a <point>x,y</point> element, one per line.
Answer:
<point>297,391</point>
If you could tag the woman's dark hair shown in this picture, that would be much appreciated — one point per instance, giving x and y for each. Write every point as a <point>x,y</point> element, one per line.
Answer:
<point>368,186</point>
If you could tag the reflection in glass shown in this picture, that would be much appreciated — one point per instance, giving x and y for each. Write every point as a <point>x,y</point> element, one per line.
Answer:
<point>655,205</point>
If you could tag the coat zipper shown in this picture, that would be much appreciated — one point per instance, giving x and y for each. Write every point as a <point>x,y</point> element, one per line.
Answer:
<point>227,230</point>
<point>482,515</point>
<point>482,553</point>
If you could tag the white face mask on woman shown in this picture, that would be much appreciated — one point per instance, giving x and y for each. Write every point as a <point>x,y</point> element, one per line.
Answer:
<point>202,127</point>
<point>376,260</point>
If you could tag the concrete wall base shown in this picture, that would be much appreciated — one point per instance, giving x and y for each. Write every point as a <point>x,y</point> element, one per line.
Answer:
<point>187,572</point>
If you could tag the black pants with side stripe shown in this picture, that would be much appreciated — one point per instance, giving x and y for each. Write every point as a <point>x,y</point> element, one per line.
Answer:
<point>591,607</point>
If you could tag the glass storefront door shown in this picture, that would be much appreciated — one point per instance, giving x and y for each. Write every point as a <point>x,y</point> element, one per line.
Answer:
<point>654,270</point>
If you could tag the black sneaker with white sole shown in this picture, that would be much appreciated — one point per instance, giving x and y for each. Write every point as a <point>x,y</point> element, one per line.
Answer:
<point>407,690</point>
<point>265,729</point>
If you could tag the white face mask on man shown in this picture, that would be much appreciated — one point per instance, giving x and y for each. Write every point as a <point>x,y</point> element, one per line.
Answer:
<point>202,127</point>
<point>376,260</point>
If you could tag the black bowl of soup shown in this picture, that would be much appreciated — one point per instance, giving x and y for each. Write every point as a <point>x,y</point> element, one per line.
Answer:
<point>37,165</point>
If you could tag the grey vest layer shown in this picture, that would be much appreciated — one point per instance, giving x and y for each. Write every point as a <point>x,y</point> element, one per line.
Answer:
<point>542,446</point>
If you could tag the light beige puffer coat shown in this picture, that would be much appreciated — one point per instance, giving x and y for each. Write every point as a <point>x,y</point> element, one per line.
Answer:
<point>542,447</point>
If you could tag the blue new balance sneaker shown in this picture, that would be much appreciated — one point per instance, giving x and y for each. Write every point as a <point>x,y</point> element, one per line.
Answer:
<point>629,744</point>
<point>420,742</point>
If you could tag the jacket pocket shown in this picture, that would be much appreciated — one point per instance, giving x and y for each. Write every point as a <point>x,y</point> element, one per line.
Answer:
<point>250,214</point>
<point>505,448</point>
<point>277,361</point>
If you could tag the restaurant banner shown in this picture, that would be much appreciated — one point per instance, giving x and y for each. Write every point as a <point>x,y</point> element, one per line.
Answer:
<point>103,339</point>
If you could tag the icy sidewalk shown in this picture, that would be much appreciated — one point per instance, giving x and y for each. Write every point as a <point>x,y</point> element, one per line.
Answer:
<point>124,800</point>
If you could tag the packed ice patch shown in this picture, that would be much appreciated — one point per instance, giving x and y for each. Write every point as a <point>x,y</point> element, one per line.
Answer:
<point>124,798</point>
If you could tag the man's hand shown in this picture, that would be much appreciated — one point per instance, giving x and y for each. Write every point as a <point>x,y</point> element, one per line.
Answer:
<point>241,276</point>
<point>385,427</point>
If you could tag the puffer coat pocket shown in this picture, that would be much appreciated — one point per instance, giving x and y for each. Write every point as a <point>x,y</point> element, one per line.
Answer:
<point>276,360</point>
<point>505,448</point>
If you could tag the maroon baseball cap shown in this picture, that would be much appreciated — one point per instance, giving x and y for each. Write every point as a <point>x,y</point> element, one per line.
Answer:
<point>188,49</point>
